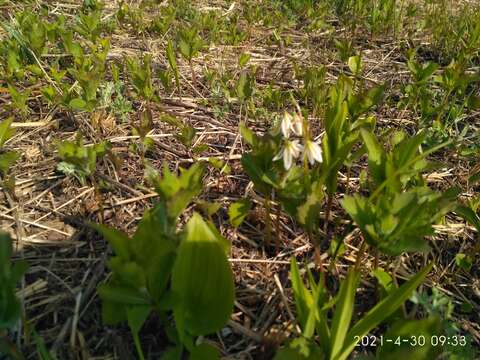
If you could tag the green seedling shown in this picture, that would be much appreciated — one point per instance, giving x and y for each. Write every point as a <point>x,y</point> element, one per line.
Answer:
<point>161,269</point>
<point>140,72</point>
<point>89,25</point>
<point>399,222</point>
<point>190,44</point>
<point>19,100</point>
<point>89,72</point>
<point>79,160</point>
<point>337,338</point>
<point>142,129</point>
<point>10,306</point>
<point>172,62</point>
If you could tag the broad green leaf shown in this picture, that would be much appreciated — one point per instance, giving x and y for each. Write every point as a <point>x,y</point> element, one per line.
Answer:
<point>343,312</point>
<point>123,295</point>
<point>78,104</point>
<point>204,352</point>
<point>355,64</point>
<point>7,159</point>
<point>238,211</point>
<point>203,281</point>
<point>381,311</point>
<point>247,134</point>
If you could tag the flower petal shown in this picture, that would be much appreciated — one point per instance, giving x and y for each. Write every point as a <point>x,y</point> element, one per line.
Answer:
<point>286,124</point>
<point>287,160</point>
<point>297,124</point>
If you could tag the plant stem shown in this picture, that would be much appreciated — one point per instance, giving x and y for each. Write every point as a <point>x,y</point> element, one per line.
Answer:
<point>327,213</point>
<point>138,346</point>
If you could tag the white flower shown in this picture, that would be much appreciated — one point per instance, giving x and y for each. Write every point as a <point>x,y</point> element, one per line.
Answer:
<point>297,124</point>
<point>286,124</point>
<point>313,152</point>
<point>291,123</point>
<point>291,150</point>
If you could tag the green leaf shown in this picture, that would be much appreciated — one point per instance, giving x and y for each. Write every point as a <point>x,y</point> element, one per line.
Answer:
<point>78,104</point>
<point>238,211</point>
<point>355,64</point>
<point>173,353</point>
<point>469,215</point>
<point>343,312</point>
<point>303,297</point>
<point>203,281</point>
<point>136,317</point>
<point>247,134</point>
<point>204,352</point>
<point>414,331</point>
<point>7,159</point>
<point>384,279</point>
<point>376,156</point>
<point>243,59</point>
<point>463,261</point>
<point>6,132</point>
<point>172,61</point>
<point>381,311</point>
<point>119,241</point>
<point>123,295</point>
<point>208,208</point>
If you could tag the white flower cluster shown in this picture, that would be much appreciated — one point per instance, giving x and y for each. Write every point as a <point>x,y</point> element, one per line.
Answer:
<point>292,149</point>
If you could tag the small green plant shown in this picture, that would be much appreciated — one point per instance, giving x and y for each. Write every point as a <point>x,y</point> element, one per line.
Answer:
<point>401,210</point>
<point>336,339</point>
<point>88,71</point>
<point>142,129</point>
<point>10,307</point>
<point>190,44</point>
<point>140,72</point>
<point>79,160</point>
<point>438,305</point>
<point>161,269</point>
